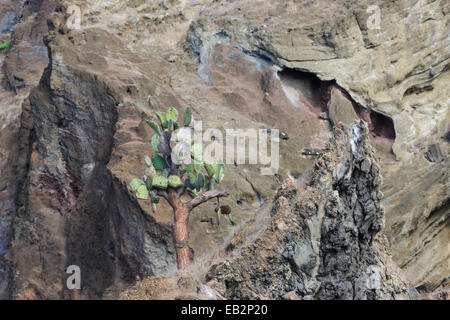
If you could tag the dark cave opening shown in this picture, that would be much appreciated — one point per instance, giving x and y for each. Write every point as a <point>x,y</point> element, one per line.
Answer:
<point>381,129</point>
<point>382,126</point>
<point>316,95</point>
<point>314,90</point>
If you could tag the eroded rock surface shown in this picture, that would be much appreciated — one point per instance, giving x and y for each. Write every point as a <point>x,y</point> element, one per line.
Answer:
<point>73,104</point>
<point>324,241</point>
<point>399,70</point>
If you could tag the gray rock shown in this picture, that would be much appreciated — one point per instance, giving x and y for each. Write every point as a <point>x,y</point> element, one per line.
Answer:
<point>324,242</point>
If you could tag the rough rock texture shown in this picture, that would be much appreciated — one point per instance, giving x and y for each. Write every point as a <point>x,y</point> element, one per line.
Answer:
<point>69,208</point>
<point>340,109</point>
<point>24,23</point>
<point>72,131</point>
<point>324,241</point>
<point>399,69</point>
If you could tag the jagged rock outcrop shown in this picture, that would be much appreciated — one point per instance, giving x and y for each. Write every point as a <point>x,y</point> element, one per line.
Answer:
<point>324,241</point>
<point>72,131</point>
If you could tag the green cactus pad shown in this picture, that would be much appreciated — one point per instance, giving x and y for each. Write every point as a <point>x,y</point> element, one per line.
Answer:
<point>163,119</point>
<point>210,169</point>
<point>198,167</point>
<point>5,45</point>
<point>187,117</point>
<point>172,114</point>
<point>142,193</point>
<point>219,172</point>
<point>160,182</point>
<point>175,181</point>
<point>156,139</point>
<point>197,152</point>
<point>150,170</point>
<point>200,183</point>
<point>148,182</point>
<point>192,178</point>
<point>153,125</point>
<point>158,162</point>
<point>135,184</point>
<point>148,160</point>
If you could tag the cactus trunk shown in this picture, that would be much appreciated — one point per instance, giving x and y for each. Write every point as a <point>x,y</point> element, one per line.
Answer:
<point>180,230</point>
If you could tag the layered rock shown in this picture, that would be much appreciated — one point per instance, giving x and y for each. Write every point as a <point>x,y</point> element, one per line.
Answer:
<point>398,69</point>
<point>81,132</point>
<point>324,241</point>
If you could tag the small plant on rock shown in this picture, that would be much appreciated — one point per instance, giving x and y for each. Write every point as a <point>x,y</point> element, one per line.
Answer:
<point>5,45</point>
<point>178,168</point>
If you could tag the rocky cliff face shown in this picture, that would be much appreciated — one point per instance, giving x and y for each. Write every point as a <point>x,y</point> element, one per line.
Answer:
<point>320,240</point>
<point>72,134</point>
<point>324,240</point>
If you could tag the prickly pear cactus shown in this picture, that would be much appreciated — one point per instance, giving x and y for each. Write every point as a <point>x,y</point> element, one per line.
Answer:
<point>167,168</point>
<point>177,166</point>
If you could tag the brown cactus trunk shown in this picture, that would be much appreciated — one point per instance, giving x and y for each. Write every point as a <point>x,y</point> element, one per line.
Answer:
<point>181,217</point>
<point>180,235</point>
<point>180,230</point>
